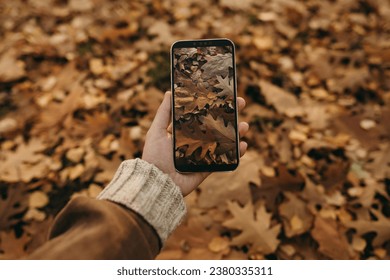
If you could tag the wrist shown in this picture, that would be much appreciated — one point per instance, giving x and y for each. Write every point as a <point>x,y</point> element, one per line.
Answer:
<point>144,188</point>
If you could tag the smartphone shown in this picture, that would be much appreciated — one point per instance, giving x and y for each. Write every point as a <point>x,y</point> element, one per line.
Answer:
<point>204,97</point>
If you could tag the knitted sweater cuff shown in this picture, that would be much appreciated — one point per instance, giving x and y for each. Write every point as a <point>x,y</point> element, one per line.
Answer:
<point>145,189</point>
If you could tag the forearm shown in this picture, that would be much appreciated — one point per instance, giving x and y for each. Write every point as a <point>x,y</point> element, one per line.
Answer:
<point>134,215</point>
<point>93,229</point>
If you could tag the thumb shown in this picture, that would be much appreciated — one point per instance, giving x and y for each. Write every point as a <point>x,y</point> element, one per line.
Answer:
<point>163,115</point>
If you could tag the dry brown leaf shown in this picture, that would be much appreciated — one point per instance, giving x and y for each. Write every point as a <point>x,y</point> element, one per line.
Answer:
<point>12,247</point>
<point>38,199</point>
<point>351,80</point>
<point>217,65</point>
<point>107,169</point>
<point>380,165</point>
<point>11,69</point>
<point>380,226</point>
<point>243,5</point>
<point>183,244</point>
<point>55,113</point>
<point>223,133</point>
<point>283,101</point>
<point>255,227</point>
<point>15,164</point>
<point>221,187</point>
<point>331,239</point>
<point>319,124</point>
<point>13,204</point>
<point>94,125</point>
<point>76,154</point>
<point>35,215</point>
<point>296,217</point>
<point>219,244</point>
<point>271,187</point>
<point>38,231</point>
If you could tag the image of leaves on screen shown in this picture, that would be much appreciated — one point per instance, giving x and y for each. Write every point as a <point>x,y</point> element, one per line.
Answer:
<point>204,105</point>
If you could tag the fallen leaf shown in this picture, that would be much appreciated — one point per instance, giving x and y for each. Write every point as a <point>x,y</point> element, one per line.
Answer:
<point>183,244</point>
<point>11,69</point>
<point>18,165</point>
<point>13,204</point>
<point>38,199</point>
<point>221,187</point>
<point>12,247</point>
<point>271,187</point>
<point>380,226</point>
<point>283,101</point>
<point>380,165</point>
<point>296,217</point>
<point>219,244</point>
<point>331,239</point>
<point>255,227</point>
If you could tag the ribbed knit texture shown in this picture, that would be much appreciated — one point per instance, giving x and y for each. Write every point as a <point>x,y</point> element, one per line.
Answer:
<point>145,189</point>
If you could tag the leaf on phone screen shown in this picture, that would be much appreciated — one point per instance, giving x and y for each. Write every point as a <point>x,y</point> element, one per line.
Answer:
<point>219,130</point>
<point>182,99</point>
<point>217,65</point>
<point>195,139</point>
<point>255,227</point>
<point>226,85</point>
<point>211,135</point>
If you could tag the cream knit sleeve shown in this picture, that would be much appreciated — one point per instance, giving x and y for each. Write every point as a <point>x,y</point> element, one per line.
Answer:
<point>145,189</point>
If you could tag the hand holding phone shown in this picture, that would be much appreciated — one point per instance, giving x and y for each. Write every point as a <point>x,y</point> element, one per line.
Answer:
<point>204,101</point>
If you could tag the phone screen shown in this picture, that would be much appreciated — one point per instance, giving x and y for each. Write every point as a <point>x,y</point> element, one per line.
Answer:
<point>204,105</point>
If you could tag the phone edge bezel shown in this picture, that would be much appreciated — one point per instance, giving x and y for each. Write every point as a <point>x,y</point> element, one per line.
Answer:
<point>235,101</point>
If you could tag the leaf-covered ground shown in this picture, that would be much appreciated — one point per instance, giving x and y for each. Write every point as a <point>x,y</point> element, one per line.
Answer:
<point>80,82</point>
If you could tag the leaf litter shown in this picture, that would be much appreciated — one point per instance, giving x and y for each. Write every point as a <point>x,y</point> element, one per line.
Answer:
<point>80,83</point>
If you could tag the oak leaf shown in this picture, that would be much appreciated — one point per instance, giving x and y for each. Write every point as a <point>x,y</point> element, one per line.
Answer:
<point>221,187</point>
<point>271,187</point>
<point>94,125</point>
<point>10,68</point>
<point>13,204</point>
<point>184,244</point>
<point>195,139</point>
<point>380,166</point>
<point>225,136</point>
<point>296,217</point>
<point>226,85</point>
<point>380,226</point>
<point>53,116</point>
<point>217,65</point>
<point>25,163</point>
<point>331,239</point>
<point>283,101</point>
<point>12,247</point>
<point>255,227</point>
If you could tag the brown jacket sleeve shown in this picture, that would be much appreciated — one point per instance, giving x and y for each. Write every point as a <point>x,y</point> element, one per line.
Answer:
<point>97,229</point>
<point>131,218</point>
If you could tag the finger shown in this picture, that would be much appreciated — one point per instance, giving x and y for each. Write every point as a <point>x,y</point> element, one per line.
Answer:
<point>169,128</point>
<point>163,115</point>
<point>241,103</point>
<point>243,148</point>
<point>243,128</point>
